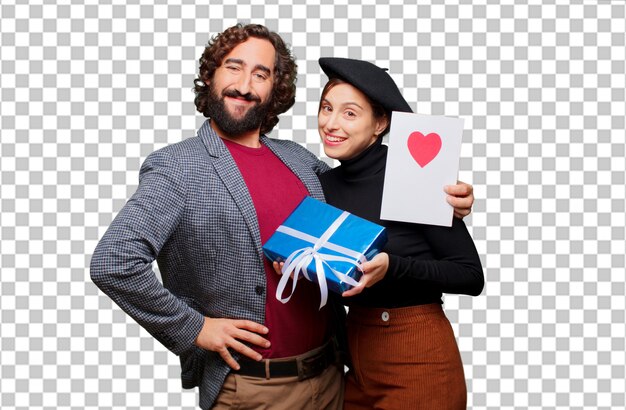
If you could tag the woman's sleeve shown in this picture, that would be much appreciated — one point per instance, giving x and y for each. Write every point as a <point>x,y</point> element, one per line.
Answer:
<point>456,266</point>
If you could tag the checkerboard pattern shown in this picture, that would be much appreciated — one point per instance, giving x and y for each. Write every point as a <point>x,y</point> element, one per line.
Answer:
<point>88,89</point>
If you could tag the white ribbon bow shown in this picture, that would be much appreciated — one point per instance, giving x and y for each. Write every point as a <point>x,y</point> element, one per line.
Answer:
<point>300,259</point>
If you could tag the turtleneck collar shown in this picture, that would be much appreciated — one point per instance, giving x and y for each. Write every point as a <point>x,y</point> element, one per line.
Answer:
<point>368,163</point>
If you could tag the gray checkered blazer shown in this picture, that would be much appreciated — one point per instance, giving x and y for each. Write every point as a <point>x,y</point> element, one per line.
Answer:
<point>193,213</point>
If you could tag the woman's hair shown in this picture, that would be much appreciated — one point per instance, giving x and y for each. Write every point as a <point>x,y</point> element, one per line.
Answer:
<point>283,94</point>
<point>377,110</point>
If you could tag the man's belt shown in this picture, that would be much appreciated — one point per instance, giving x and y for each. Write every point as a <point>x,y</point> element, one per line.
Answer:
<point>304,366</point>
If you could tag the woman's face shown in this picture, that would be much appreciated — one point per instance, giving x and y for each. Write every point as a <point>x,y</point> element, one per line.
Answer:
<point>346,122</point>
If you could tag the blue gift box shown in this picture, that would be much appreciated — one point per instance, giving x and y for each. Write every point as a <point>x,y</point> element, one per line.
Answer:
<point>317,236</point>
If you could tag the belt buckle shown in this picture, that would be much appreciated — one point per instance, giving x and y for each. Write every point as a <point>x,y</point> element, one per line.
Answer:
<point>311,366</point>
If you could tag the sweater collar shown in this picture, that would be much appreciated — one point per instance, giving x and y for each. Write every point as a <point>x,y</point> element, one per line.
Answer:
<point>368,163</point>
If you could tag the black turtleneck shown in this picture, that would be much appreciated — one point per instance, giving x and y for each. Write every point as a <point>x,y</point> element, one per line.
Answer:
<point>424,260</point>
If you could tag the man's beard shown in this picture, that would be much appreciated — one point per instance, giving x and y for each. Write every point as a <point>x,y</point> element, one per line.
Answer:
<point>233,127</point>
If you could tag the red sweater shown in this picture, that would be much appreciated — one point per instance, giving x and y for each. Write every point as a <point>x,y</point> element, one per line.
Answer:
<point>297,326</point>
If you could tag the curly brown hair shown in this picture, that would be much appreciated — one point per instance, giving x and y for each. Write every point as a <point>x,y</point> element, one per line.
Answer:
<point>284,91</point>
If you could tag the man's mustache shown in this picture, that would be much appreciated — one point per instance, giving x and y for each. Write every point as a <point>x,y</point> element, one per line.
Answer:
<point>237,94</point>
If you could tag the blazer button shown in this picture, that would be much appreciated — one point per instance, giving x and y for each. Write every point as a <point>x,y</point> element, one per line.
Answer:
<point>259,290</point>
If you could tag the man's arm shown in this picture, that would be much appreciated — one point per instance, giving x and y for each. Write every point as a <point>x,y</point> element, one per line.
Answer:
<point>121,265</point>
<point>461,197</point>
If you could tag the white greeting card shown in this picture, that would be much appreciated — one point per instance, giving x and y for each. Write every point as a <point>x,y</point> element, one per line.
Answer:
<point>423,157</point>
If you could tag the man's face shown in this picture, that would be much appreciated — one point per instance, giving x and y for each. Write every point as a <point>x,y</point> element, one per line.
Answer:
<point>241,87</point>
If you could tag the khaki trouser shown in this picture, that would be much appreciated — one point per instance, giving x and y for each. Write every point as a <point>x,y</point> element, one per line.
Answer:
<point>256,393</point>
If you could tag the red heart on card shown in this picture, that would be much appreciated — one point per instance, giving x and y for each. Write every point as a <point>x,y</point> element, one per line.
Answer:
<point>424,148</point>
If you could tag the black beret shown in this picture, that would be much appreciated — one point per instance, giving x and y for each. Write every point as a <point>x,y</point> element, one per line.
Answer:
<point>371,80</point>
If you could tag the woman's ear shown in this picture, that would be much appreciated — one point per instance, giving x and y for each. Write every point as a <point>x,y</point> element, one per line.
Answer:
<point>381,125</point>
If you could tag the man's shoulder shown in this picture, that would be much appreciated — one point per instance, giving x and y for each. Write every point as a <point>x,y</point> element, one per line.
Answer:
<point>188,146</point>
<point>288,144</point>
<point>182,152</point>
<point>293,148</point>
<point>301,153</point>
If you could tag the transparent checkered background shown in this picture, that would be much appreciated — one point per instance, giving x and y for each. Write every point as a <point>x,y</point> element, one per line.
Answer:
<point>88,90</point>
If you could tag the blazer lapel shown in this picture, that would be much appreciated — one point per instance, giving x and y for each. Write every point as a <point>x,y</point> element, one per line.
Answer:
<point>227,170</point>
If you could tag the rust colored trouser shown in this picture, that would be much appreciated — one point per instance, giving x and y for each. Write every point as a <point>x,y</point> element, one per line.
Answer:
<point>404,358</point>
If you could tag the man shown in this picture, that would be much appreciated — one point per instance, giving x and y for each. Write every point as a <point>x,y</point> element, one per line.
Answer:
<point>202,209</point>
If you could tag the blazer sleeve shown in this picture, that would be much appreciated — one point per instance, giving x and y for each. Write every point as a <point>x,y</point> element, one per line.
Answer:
<point>121,265</point>
<point>456,266</point>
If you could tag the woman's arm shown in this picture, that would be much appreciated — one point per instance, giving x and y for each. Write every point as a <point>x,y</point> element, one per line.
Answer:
<point>455,267</point>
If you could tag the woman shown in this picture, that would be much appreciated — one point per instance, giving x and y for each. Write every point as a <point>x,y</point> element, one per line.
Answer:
<point>403,350</point>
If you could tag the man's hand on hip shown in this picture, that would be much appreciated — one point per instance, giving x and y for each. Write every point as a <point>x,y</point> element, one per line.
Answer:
<point>218,335</point>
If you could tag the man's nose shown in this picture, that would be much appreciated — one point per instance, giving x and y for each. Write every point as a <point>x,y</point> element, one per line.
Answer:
<point>243,83</point>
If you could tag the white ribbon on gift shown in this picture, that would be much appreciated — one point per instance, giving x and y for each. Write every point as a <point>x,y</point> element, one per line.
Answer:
<point>300,259</point>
